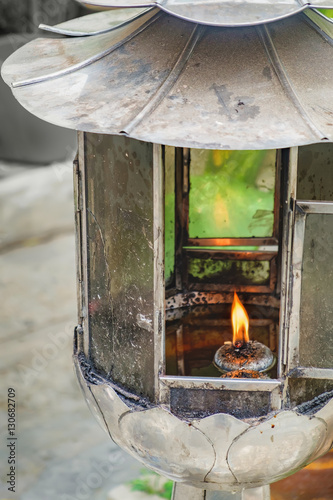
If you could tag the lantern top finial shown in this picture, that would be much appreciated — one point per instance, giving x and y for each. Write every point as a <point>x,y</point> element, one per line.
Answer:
<point>220,12</point>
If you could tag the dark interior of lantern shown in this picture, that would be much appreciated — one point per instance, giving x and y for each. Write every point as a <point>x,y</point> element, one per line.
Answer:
<point>222,235</point>
<point>191,341</point>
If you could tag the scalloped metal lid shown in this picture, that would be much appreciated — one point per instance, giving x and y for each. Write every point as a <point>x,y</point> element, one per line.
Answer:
<point>220,12</point>
<point>164,80</point>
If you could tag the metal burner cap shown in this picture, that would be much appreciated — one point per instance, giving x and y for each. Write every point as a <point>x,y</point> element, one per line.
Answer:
<point>252,356</point>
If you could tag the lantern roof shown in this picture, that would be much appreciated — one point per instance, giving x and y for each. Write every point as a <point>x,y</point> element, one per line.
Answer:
<point>220,12</point>
<point>161,79</point>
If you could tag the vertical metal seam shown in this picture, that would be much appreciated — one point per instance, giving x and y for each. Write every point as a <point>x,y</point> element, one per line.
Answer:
<point>282,75</point>
<point>170,80</point>
<point>287,221</point>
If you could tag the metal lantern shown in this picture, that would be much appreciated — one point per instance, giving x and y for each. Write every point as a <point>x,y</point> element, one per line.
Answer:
<point>203,179</point>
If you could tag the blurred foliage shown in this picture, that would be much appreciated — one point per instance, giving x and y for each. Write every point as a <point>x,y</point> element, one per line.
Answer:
<point>150,483</point>
<point>327,12</point>
<point>231,196</point>
<point>234,196</point>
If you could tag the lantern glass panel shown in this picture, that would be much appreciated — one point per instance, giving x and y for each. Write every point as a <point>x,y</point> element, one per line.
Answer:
<point>315,172</point>
<point>119,215</point>
<point>231,194</point>
<point>316,313</point>
<point>219,262</point>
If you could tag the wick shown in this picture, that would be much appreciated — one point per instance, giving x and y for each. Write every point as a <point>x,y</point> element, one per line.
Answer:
<point>238,344</point>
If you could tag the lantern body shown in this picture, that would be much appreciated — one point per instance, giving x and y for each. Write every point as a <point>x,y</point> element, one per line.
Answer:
<point>141,327</point>
<point>167,234</point>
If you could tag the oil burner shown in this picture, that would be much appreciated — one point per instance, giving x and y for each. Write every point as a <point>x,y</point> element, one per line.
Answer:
<point>204,217</point>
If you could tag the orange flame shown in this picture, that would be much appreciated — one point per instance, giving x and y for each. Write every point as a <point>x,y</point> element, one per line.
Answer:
<point>240,323</point>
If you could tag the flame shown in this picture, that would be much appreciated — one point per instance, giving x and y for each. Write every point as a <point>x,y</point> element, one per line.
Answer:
<point>240,323</point>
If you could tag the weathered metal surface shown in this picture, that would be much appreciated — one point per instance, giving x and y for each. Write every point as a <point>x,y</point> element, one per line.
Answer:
<point>189,457</point>
<point>276,447</point>
<point>185,492</point>
<point>112,408</point>
<point>217,452</point>
<point>93,24</point>
<point>326,414</point>
<point>88,395</point>
<point>119,212</point>
<point>48,59</point>
<point>302,389</point>
<point>182,491</point>
<point>204,87</point>
<point>159,257</point>
<point>220,12</point>
<point>221,429</point>
<point>219,383</point>
<point>261,493</point>
<point>315,179</point>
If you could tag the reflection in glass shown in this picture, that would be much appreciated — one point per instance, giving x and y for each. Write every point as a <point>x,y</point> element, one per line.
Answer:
<point>231,193</point>
<point>316,322</point>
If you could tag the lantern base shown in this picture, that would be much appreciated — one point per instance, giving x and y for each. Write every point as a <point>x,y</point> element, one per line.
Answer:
<point>184,492</point>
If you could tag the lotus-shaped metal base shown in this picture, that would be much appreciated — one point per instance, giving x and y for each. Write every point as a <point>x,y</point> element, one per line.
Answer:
<point>216,452</point>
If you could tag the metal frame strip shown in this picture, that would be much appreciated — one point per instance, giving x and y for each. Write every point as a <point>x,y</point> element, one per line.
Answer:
<point>78,232</point>
<point>311,372</point>
<point>296,279</point>
<point>219,383</point>
<point>233,254</point>
<point>288,203</point>
<point>302,209</point>
<point>225,242</point>
<point>181,213</point>
<point>316,207</point>
<point>84,252</point>
<point>159,294</point>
